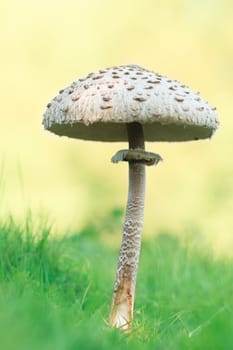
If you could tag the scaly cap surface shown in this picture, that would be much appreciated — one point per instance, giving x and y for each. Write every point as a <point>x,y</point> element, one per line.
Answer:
<point>99,106</point>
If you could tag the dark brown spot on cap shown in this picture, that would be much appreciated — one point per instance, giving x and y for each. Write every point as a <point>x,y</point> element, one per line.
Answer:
<point>115,76</point>
<point>110,86</point>
<point>126,73</point>
<point>102,71</point>
<point>157,81</point>
<point>172,88</point>
<point>106,99</point>
<point>148,87</point>
<point>86,86</point>
<point>139,99</point>
<point>133,78</point>
<point>131,87</point>
<point>106,107</point>
<point>97,77</point>
<point>179,99</point>
<point>61,91</point>
<point>48,105</point>
<point>75,97</point>
<point>200,108</point>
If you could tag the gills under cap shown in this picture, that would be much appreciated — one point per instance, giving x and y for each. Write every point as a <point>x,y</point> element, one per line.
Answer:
<point>99,106</point>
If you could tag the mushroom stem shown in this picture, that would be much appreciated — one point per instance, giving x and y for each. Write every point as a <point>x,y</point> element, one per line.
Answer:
<point>124,289</point>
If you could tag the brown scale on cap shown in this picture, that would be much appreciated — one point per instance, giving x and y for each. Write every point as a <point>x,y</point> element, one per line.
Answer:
<point>179,99</point>
<point>106,99</point>
<point>139,99</point>
<point>105,107</point>
<point>75,98</point>
<point>97,77</point>
<point>153,81</point>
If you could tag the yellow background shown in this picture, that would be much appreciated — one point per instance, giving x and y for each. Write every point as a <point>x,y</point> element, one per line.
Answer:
<point>46,44</point>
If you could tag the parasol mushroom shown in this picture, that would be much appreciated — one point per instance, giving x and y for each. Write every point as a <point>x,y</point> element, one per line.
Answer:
<point>130,103</point>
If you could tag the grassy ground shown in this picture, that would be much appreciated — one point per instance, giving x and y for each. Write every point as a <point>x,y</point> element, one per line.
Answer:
<point>55,293</point>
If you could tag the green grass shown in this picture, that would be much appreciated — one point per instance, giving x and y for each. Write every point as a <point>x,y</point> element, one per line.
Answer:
<point>55,293</point>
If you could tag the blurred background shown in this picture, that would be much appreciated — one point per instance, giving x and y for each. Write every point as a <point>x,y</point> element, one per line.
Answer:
<point>45,45</point>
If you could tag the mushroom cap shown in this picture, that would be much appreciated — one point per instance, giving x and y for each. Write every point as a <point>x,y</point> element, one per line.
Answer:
<point>99,106</point>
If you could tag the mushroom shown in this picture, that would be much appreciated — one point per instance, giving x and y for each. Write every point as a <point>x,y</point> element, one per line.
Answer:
<point>130,103</point>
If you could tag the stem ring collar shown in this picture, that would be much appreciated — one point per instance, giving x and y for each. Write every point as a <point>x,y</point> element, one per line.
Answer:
<point>137,155</point>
